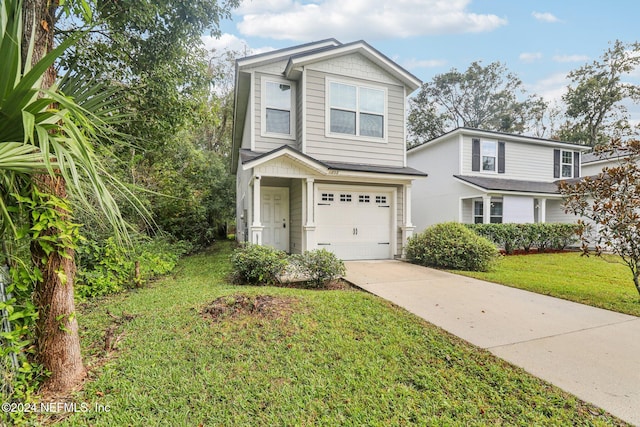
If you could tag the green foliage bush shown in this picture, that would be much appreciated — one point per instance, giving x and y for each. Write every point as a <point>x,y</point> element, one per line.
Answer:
<point>319,265</point>
<point>543,236</point>
<point>258,265</point>
<point>451,245</point>
<point>107,267</point>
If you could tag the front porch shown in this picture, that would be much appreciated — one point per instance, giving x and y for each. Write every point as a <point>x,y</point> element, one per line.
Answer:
<point>294,204</point>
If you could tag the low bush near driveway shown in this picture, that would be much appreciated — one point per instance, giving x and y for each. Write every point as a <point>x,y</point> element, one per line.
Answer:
<point>258,265</point>
<point>320,266</point>
<point>451,245</point>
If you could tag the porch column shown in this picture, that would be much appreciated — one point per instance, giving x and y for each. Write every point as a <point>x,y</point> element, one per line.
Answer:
<point>486,209</point>
<point>542,210</point>
<point>407,227</point>
<point>256,225</point>
<point>309,228</point>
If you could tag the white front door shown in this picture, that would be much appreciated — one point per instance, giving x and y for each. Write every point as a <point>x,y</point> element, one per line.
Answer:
<point>275,217</point>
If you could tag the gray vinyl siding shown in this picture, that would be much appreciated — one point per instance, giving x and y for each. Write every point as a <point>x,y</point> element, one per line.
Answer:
<point>295,216</point>
<point>523,161</point>
<point>322,147</point>
<point>264,143</point>
<point>555,212</point>
<point>437,198</point>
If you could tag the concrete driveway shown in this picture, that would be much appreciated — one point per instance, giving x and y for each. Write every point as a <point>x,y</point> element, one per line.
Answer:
<point>589,352</point>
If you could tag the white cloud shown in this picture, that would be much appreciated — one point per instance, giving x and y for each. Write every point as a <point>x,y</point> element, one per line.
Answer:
<point>550,88</point>
<point>570,58</point>
<point>413,63</point>
<point>545,17</point>
<point>530,56</point>
<point>361,19</point>
<point>231,42</point>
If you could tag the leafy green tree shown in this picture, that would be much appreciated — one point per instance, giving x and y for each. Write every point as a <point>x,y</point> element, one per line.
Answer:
<point>481,97</point>
<point>594,99</point>
<point>609,205</point>
<point>47,160</point>
<point>180,101</point>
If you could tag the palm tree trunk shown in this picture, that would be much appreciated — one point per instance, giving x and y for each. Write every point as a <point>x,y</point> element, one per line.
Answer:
<point>57,338</point>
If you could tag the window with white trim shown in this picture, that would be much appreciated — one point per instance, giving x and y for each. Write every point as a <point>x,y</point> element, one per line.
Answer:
<point>495,212</point>
<point>489,155</point>
<point>478,212</point>
<point>567,164</point>
<point>277,114</point>
<point>356,110</point>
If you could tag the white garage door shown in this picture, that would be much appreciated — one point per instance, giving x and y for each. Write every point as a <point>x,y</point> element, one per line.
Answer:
<point>355,222</point>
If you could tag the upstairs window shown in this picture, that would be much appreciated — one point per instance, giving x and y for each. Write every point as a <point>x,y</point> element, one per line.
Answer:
<point>489,156</point>
<point>277,116</point>
<point>567,164</point>
<point>356,110</point>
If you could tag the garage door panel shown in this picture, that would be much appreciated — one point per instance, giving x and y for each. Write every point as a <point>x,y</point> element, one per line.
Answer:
<point>354,223</point>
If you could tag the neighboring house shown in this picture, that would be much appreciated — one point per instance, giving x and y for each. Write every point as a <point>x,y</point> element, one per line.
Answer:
<point>319,150</point>
<point>478,176</point>
<point>593,163</point>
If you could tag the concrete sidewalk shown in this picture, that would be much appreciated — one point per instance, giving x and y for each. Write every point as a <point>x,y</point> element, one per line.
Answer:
<point>589,352</point>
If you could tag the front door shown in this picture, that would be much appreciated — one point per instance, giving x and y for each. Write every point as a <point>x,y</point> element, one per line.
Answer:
<point>275,217</point>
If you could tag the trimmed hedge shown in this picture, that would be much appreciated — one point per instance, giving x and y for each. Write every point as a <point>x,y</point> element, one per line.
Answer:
<point>542,236</point>
<point>451,245</point>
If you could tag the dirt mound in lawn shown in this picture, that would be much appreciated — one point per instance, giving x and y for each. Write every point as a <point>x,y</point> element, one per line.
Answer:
<point>232,306</point>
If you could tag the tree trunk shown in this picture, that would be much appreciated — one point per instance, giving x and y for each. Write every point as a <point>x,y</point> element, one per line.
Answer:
<point>58,342</point>
<point>57,338</point>
<point>636,281</point>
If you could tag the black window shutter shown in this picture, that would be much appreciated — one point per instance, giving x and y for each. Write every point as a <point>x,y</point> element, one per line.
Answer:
<point>475,155</point>
<point>500,157</point>
<point>556,163</point>
<point>576,164</point>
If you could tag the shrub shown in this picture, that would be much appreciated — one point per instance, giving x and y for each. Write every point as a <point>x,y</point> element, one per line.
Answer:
<point>106,267</point>
<point>319,265</point>
<point>255,265</point>
<point>542,236</point>
<point>451,245</point>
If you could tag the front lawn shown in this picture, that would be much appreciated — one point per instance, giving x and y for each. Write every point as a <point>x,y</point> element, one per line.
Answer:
<point>600,282</point>
<point>294,357</point>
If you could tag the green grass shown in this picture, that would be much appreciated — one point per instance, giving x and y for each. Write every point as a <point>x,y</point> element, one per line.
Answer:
<point>600,282</point>
<point>330,358</point>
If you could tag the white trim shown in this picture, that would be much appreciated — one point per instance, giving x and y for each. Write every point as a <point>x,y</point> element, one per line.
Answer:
<point>364,49</point>
<point>358,85</point>
<point>265,79</point>
<point>506,137</point>
<point>404,128</point>
<point>283,53</point>
<point>495,162</point>
<point>324,171</point>
<point>303,121</point>
<point>252,107</point>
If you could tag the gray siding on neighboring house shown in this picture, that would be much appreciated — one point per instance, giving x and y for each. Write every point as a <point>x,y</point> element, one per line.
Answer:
<point>295,216</point>
<point>523,161</point>
<point>555,212</point>
<point>353,150</point>
<point>436,198</point>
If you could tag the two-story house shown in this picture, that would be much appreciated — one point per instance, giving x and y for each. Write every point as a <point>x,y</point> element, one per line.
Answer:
<point>319,150</point>
<point>478,176</point>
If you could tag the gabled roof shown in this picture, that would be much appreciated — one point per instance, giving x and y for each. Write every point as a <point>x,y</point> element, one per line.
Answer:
<point>250,159</point>
<point>595,157</point>
<point>499,135</point>
<point>274,55</point>
<point>509,185</point>
<point>296,62</point>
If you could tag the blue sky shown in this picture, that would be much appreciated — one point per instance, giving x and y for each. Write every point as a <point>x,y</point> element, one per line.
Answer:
<point>538,40</point>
